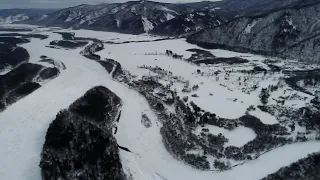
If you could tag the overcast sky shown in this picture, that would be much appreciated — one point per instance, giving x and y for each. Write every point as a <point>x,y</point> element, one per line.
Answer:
<point>6,4</point>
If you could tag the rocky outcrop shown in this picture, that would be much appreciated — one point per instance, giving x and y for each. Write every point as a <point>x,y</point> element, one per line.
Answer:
<point>79,142</point>
<point>293,33</point>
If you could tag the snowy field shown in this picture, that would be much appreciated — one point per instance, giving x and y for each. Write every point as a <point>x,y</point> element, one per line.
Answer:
<point>113,37</point>
<point>24,124</point>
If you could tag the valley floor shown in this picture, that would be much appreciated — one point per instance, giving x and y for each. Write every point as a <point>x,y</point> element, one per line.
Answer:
<point>24,124</point>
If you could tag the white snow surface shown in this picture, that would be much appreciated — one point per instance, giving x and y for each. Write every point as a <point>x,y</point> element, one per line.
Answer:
<point>18,26</point>
<point>201,13</point>
<point>266,118</point>
<point>163,8</point>
<point>169,16</point>
<point>250,26</point>
<point>147,25</point>
<point>24,124</point>
<point>237,137</point>
<point>118,23</point>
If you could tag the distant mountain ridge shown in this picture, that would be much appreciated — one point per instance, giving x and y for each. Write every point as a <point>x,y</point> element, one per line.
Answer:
<point>13,18</point>
<point>190,22</point>
<point>134,17</point>
<point>292,32</point>
<point>138,17</point>
<point>16,15</point>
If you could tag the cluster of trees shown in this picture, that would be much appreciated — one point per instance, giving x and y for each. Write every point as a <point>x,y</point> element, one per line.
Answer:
<point>311,81</point>
<point>264,96</point>
<point>19,82</point>
<point>68,44</point>
<point>265,93</point>
<point>179,138</point>
<point>309,117</point>
<point>188,89</point>
<point>173,55</point>
<point>176,141</point>
<point>90,50</point>
<point>162,73</point>
<point>12,55</point>
<point>268,138</point>
<point>309,78</point>
<point>163,94</point>
<point>287,31</point>
<point>222,166</point>
<point>176,134</point>
<point>74,134</point>
<point>316,101</point>
<point>217,141</point>
<point>306,168</point>
<point>145,120</point>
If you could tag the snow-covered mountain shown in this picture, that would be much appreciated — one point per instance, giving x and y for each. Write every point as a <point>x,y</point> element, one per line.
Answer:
<point>15,18</point>
<point>291,32</point>
<point>236,8</point>
<point>83,104</point>
<point>133,17</point>
<point>86,104</point>
<point>17,15</point>
<point>189,23</point>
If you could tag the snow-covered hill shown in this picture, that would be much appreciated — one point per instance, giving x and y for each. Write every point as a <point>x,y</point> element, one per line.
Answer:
<point>189,23</point>
<point>8,16</point>
<point>15,18</point>
<point>168,110</point>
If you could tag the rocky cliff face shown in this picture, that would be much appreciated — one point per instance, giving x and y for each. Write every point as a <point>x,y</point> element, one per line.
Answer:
<point>79,142</point>
<point>293,33</point>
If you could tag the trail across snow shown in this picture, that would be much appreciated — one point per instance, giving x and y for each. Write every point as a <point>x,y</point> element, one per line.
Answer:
<point>23,125</point>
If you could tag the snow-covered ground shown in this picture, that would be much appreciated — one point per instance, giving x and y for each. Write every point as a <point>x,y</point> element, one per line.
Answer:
<point>24,124</point>
<point>112,37</point>
<point>133,55</point>
<point>237,137</point>
<point>18,26</point>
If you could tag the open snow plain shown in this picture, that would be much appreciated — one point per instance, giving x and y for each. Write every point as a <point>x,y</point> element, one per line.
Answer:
<point>242,117</point>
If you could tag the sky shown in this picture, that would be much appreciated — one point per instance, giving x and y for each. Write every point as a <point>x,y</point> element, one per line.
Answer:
<point>7,4</point>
